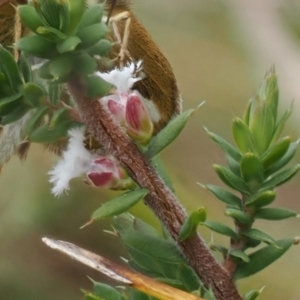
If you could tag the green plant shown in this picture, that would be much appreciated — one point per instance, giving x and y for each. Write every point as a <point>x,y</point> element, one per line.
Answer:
<point>117,151</point>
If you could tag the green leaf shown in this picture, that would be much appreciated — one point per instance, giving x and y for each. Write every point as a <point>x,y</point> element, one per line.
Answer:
<point>54,93</point>
<point>90,35</point>
<point>33,94</point>
<point>242,135</point>
<point>252,171</point>
<point>262,123</point>
<point>138,295</point>
<point>119,204</point>
<point>251,295</point>
<point>168,134</point>
<point>10,69</point>
<point>25,68</point>
<point>36,119</point>
<point>61,65</point>
<point>281,178</point>
<point>262,258</point>
<point>238,215</point>
<point>260,236</point>
<point>276,152</point>
<point>209,295</point>
<point>5,88</point>
<point>37,46</point>
<point>125,222</point>
<point>220,228</point>
<point>225,196</point>
<point>275,214</point>
<point>102,48</point>
<point>280,125</point>
<point>91,296</point>
<point>77,8</point>
<point>45,134</point>
<point>51,33</point>
<point>29,17</point>
<point>189,227</point>
<point>17,114</point>
<point>61,115</point>
<point>10,103</point>
<point>68,44</point>
<point>230,179</point>
<point>92,15</point>
<point>225,146</point>
<point>284,160</point>
<point>85,64</point>
<point>234,166</point>
<point>159,258</point>
<point>106,292</point>
<point>96,86</point>
<point>261,199</point>
<point>240,254</point>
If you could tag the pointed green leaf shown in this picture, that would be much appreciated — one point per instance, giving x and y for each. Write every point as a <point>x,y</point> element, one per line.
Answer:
<point>36,119</point>
<point>37,46</point>
<point>51,33</point>
<point>29,17</point>
<point>281,178</point>
<point>85,64</point>
<point>242,135</point>
<point>260,236</point>
<point>54,93</point>
<point>59,116</point>
<point>168,134</point>
<point>230,179</point>
<point>68,44</point>
<point>225,196</point>
<point>90,35</point>
<point>262,258</point>
<point>61,65</point>
<point>275,214</point>
<point>10,103</point>
<point>33,94</point>
<point>102,48</point>
<point>251,295</point>
<point>189,227</point>
<point>119,204</point>
<point>209,295</point>
<point>96,86</point>
<point>238,215</point>
<point>138,295</point>
<point>10,69</point>
<point>92,15</point>
<point>280,125</point>
<point>240,254</point>
<point>233,165</point>
<point>261,199</point>
<point>220,228</point>
<point>275,152</point>
<point>91,296</point>
<point>246,117</point>
<point>225,146</point>
<point>252,171</point>
<point>17,114</point>
<point>287,157</point>
<point>77,8</point>
<point>106,292</point>
<point>25,68</point>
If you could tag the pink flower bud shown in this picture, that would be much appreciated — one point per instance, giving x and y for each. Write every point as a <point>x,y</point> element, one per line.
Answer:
<point>107,173</point>
<point>117,110</point>
<point>139,125</point>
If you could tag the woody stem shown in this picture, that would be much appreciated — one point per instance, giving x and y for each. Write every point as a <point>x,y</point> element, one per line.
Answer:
<point>162,201</point>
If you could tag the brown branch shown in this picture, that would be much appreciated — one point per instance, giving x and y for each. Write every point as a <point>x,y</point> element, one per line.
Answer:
<point>163,202</point>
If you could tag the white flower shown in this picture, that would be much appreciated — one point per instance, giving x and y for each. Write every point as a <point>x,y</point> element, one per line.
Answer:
<point>75,162</point>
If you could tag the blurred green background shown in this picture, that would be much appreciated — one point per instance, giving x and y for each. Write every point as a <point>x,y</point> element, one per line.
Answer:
<point>219,54</point>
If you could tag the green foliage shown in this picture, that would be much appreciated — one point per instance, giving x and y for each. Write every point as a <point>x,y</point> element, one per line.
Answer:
<point>254,171</point>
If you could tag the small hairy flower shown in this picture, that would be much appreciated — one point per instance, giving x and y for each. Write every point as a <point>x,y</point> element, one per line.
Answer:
<point>77,161</point>
<point>127,105</point>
